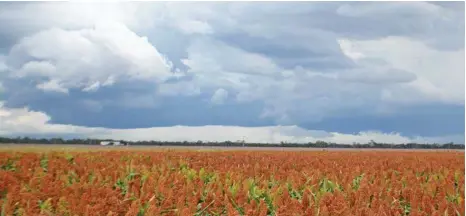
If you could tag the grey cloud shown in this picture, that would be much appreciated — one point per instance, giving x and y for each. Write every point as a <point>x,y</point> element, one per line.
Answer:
<point>439,26</point>
<point>92,105</point>
<point>285,56</point>
<point>426,20</point>
<point>368,20</point>
<point>131,100</point>
<point>178,88</point>
<point>379,76</point>
<point>29,122</point>
<point>309,54</point>
<point>298,93</point>
<point>213,56</point>
<point>386,9</point>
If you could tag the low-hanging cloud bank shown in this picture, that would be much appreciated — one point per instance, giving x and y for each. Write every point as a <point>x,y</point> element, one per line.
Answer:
<point>22,121</point>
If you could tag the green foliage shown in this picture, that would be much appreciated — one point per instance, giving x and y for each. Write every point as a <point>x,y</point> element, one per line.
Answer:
<point>70,158</point>
<point>91,177</point>
<point>145,206</point>
<point>143,209</point>
<point>456,198</point>
<point>183,166</point>
<point>18,211</point>
<point>457,181</point>
<point>46,206</point>
<point>326,185</point>
<point>272,182</point>
<point>295,194</point>
<point>3,193</point>
<point>233,188</point>
<point>207,177</point>
<point>63,207</point>
<point>190,174</point>
<point>122,185</point>
<point>131,172</point>
<point>5,201</point>
<point>44,162</point>
<point>405,206</point>
<point>237,207</point>
<point>357,182</point>
<point>254,193</point>
<point>125,158</point>
<point>72,178</point>
<point>200,211</point>
<point>9,165</point>
<point>404,183</point>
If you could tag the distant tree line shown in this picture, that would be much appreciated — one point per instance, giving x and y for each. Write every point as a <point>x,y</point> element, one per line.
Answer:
<point>317,144</point>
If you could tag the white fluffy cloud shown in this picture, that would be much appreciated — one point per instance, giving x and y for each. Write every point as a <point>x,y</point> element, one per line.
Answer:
<point>34,16</point>
<point>302,61</point>
<point>25,121</point>
<point>52,85</point>
<point>440,74</point>
<point>219,96</point>
<point>87,59</point>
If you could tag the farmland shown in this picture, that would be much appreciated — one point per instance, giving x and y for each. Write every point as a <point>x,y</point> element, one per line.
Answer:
<point>122,181</point>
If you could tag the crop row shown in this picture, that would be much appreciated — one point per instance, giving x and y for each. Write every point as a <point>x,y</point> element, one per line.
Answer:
<point>232,183</point>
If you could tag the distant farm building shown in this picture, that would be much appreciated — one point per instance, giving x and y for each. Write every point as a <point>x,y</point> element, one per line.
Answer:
<point>114,143</point>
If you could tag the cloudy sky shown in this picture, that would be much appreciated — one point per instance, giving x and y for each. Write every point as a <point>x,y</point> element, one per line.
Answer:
<point>266,72</point>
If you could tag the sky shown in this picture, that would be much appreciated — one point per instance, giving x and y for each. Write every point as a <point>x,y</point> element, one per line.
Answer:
<point>343,72</point>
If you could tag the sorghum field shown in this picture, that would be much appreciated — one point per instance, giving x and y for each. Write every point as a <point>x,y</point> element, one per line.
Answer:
<point>183,182</point>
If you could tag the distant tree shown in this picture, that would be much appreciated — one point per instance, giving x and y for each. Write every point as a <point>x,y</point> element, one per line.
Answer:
<point>319,144</point>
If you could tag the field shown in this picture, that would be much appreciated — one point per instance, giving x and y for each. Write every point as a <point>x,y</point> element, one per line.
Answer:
<point>132,181</point>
